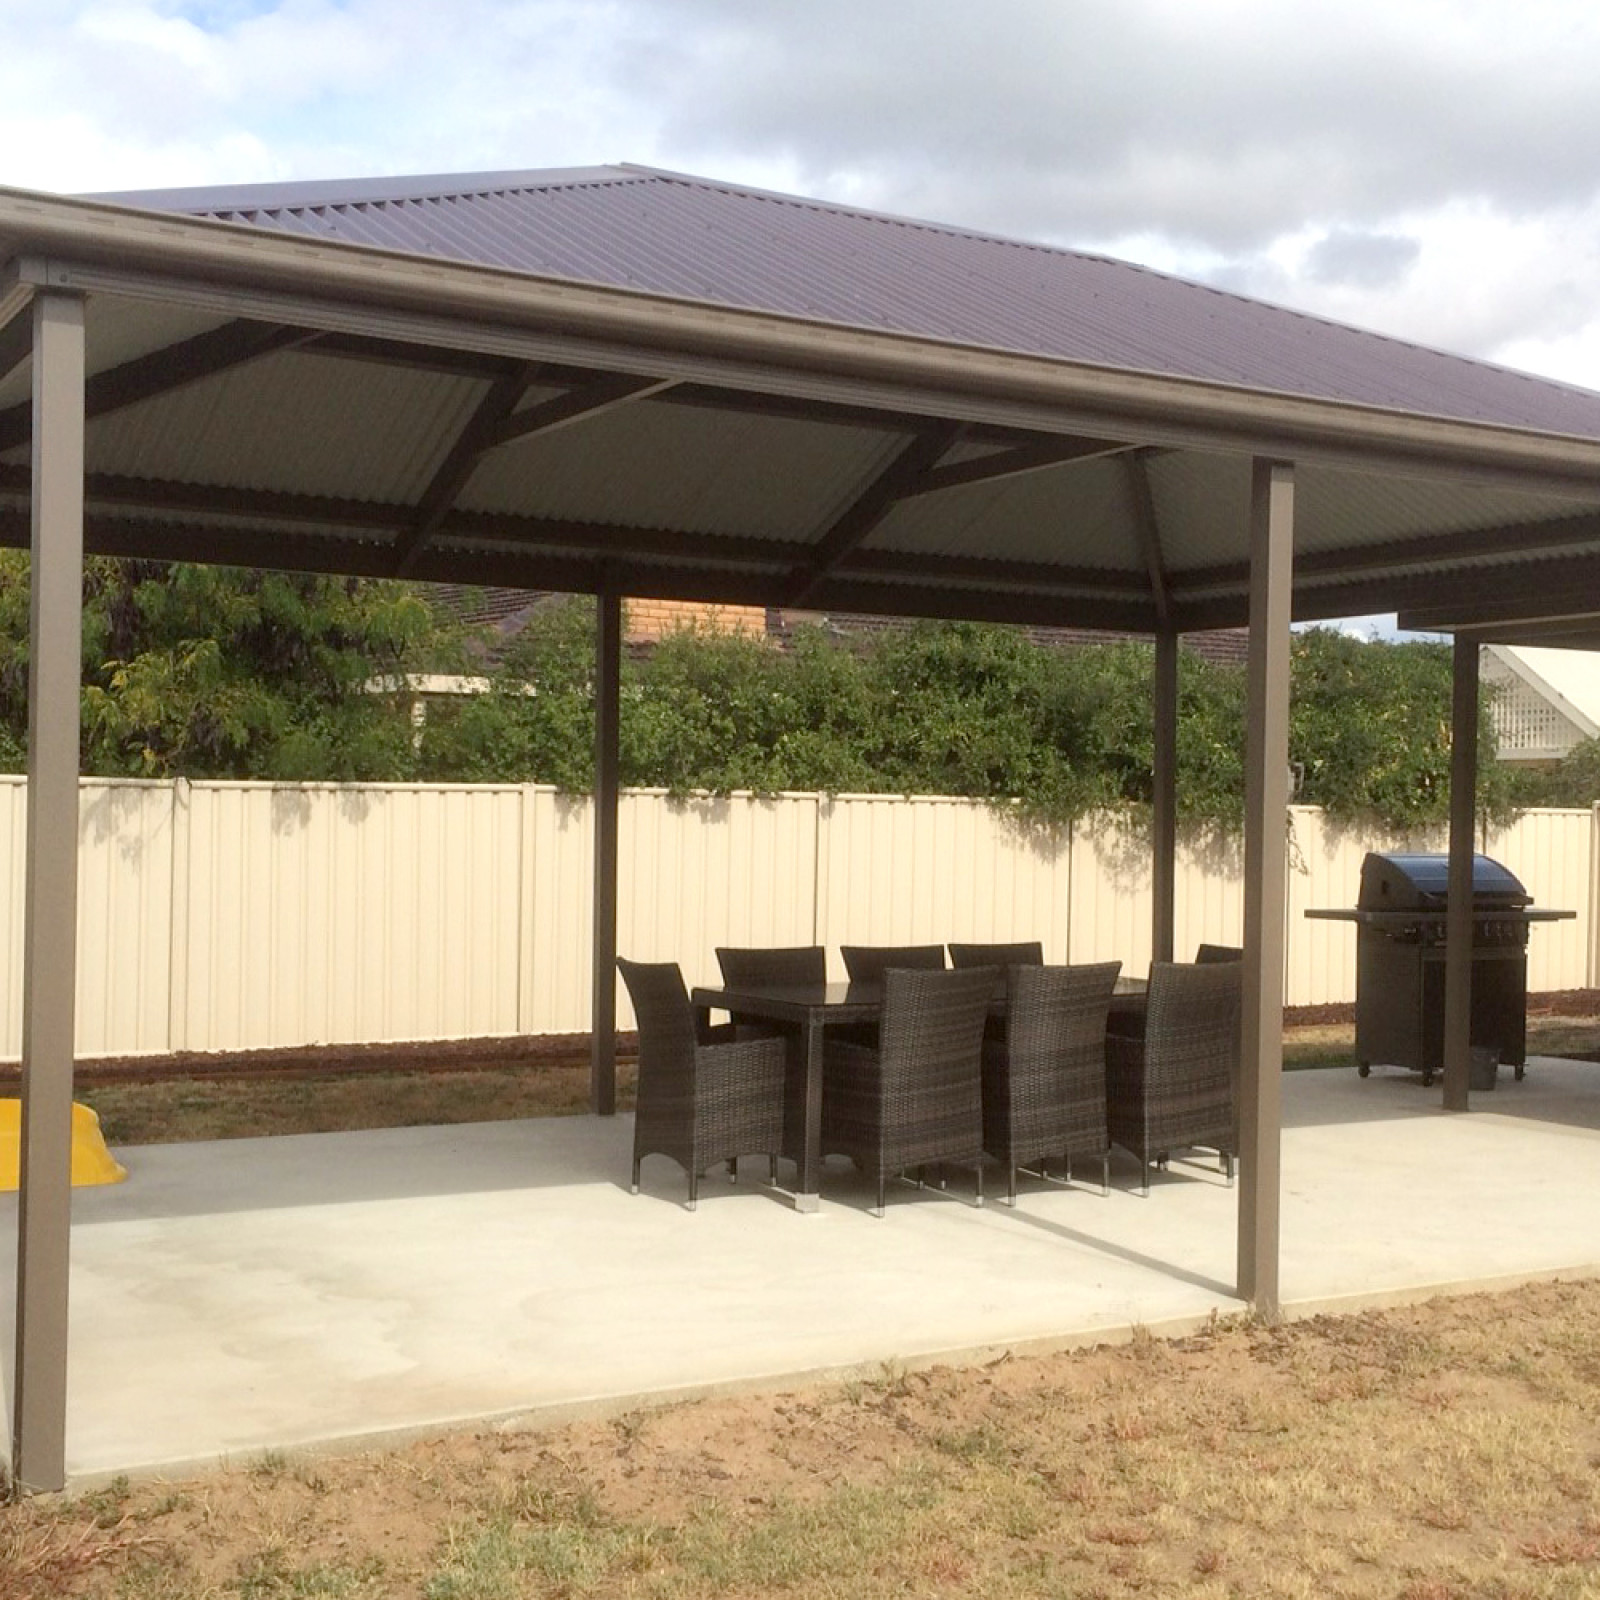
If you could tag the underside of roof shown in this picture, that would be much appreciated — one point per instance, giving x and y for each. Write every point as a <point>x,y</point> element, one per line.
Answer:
<point>623,381</point>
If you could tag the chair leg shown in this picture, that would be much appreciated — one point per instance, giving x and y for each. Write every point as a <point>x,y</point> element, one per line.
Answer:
<point>634,1189</point>
<point>772,1171</point>
<point>1144,1177</point>
<point>882,1193</point>
<point>977,1184</point>
<point>733,1169</point>
<point>694,1190</point>
<point>1011,1185</point>
<point>1227,1165</point>
<point>1105,1173</point>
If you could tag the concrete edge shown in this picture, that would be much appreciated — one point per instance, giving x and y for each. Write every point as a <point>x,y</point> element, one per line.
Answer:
<point>602,1406</point>
<point>557,1414</point>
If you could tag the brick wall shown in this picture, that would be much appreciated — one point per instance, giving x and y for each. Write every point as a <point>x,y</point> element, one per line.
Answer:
<point>650,619</point>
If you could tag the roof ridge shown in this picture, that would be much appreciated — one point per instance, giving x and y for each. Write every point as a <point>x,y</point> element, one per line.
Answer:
<point>309,193</point>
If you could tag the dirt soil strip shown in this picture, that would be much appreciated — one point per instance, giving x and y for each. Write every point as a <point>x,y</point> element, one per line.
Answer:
<point>523,1050</point>
<point>433,1056</point>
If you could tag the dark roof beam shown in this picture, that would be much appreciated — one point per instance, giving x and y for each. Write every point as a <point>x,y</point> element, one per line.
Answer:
<point>147,377</point>
<point>159,540</point>
<point>1526,539</point>
<point>460,462</point>
<point>577,405</point>
<point>1035,456</point>
<point>870,507</point>
<point>1136,474</point>
<point>16,340</point>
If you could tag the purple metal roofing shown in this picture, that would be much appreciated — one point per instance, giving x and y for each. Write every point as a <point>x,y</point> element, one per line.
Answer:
<point>715,242</point>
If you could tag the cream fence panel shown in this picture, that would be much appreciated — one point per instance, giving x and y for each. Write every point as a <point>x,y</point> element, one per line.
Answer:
<point>695,874</point>
<point>349,913</point>
<point>928,870</point>
<point>558,912</point>
<point>1548,851</point>
<point>1113,898</point>
<point>1325,871</point>
<point>221,916</point>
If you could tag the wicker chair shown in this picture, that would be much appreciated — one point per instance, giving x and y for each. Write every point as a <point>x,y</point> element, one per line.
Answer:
<point>797,965</point>
<point>918,1097</point>
<point>1208,953</point>
<point>867,963</point>
<point>1170,1085</point>
<point>1044,1081</point>
<point>997,955</point>
<point>698,1103</point>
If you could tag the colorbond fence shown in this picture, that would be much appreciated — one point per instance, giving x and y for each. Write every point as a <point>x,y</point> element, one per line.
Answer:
<point>219,916</point>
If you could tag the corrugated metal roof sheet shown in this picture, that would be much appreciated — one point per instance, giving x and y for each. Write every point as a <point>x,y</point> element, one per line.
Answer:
<point>721,243</point>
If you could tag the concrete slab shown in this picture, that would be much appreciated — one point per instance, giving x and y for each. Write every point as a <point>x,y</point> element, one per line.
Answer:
<point>259,1294</point>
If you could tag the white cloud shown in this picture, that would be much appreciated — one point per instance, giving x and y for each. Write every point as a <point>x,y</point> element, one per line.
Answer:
<point>1426,167</point>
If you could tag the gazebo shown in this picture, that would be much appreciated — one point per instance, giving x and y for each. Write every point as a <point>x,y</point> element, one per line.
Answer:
<point>628,382</point>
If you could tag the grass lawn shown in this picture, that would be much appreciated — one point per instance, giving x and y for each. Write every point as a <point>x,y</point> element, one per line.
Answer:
<point>1444,1452</point>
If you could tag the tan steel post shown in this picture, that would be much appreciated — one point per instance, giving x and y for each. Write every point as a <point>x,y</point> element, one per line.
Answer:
<point>49,954</point>
<point>1265,814</point>
<point>1458,913</point>
<point>1164,797</point>
<point>607,706</point>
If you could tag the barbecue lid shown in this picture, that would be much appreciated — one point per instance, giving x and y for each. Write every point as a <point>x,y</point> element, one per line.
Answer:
<point>1404,882</point>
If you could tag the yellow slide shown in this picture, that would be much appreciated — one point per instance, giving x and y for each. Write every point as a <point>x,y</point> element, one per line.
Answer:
<point>91,1161</point>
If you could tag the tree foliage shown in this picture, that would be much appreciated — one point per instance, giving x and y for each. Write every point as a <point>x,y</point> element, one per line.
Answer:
<point>211,672</point>
<point>221,673</point>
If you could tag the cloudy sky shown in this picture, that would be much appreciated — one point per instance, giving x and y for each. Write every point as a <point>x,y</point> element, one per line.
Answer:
<point>1430,168</point>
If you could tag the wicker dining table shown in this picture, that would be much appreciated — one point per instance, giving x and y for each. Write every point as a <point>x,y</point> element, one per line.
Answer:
<point>805,1012</point>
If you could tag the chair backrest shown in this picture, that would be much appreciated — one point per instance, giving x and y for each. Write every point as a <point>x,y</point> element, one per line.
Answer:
<point>1030,954</point>
<point>1192,1018</point>
<point>867,963</point>
<point>1209,953</point>
<point>665,1019</point>
<point>932,1027</point>
<point>1057,1014</point>
<point>801,964</point>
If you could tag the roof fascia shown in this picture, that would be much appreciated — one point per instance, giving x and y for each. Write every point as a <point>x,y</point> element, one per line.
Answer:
<point>99,248</point>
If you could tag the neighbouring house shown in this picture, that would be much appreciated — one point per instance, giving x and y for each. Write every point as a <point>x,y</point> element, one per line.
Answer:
<point>1545,701</point>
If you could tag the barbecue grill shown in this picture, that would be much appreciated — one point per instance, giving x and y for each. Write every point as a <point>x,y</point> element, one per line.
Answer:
<point>1400,951</point>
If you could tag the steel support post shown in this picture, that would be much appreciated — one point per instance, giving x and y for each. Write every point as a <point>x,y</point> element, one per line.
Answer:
<point>1164,797</point>
<point>49,941</point>
<point>1458,911</point>
<point>1265,819</point>
<point>607,678</point>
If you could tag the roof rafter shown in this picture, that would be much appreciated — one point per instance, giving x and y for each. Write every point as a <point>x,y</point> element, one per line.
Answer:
<point>497,422</point>
<point>1526,538</point>
<point>16,340</point>
<point>1136,473</point>
<point>158,539</point>
<point>173,366</point>
<point>461,461</point>
<point>870,507</point>
<point>577,405</point>
<point>1034,456</point>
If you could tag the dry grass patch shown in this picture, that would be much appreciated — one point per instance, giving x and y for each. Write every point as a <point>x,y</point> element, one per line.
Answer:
<point>1451,1449</point>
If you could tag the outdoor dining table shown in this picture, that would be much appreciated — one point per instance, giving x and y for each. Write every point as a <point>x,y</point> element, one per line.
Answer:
<point>805,1011</point>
